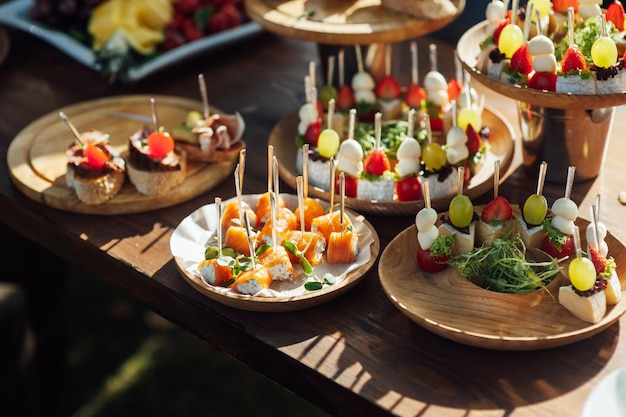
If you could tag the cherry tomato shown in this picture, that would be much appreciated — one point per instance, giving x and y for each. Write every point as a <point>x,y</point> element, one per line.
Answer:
<point>350,184</point>
<point>160,144</point>
<point>566,249</point>
<point>96,157</point>
<point>409,189</point>
<point>430,263</point>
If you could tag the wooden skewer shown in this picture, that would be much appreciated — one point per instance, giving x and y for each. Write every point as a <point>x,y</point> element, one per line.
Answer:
<point>218,213</point>
<point>203,93</point>
<point>300,191</point>
<point>155,119</point>
<point>71,127</point>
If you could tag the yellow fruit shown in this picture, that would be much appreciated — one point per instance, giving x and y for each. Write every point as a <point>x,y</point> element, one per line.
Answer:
<point>154,14</point>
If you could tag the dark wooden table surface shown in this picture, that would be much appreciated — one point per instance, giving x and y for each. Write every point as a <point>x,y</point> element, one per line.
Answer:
<point>356,355</point>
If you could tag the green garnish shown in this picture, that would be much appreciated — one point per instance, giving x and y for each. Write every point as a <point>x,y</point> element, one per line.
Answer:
<point>555,236</point>
<point>304,262</point>
<point>502,267</point>
<point>327,279</point>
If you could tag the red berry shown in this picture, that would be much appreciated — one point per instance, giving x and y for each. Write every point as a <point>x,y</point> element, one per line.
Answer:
<point>474,141</point>
<point>436,124</point>
<point>430,263</point>
<point>191,31</point>
<point>551,249</point>
<point>414,96</point>
<point>376,163</point>
<point>224,18</point>
<point>498,30</point>
<point>599,261</point>
<point>454,89</point>
<point>615,14</point>
<point>561,6</point>
<point>172,40</point>
<point>345,98</point>
<point>543,81</point>
<point>388,88</point>
<point>186,6</point>
<point>160,144</point>
<point>313,132</point>
<point>350,184</point>
<point>522,61</point>
<point>573,59</point>
<point>498,210</point>
<point>409,189</point>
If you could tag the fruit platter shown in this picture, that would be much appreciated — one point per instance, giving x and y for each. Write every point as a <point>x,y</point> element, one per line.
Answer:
<point>508,276</point>
<point>477,43</point>
<point>60,168</point>
<point>159,35</point>
<point>291,285</point>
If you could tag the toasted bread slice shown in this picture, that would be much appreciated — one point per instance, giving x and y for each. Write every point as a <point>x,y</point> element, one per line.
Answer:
<point>156,182</point>
<point>95,191</point>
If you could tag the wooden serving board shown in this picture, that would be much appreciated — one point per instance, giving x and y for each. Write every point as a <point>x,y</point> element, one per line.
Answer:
<point>342,22</point>
<point>451,306</point>
<point>37,162</point>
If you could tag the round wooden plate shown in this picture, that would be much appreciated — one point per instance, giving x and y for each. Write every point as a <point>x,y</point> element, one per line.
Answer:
<point>191,237</point>
<point>342,22</point>
<point>468,49</point>
<point>5,44</point>
<point>37,161</point>
<point>502,145</point>
<point>449,305</point>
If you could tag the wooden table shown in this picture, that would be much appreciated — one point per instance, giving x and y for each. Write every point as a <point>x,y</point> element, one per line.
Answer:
<point>356,355</point>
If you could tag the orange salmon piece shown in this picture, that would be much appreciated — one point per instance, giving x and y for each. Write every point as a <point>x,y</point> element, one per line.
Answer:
<point>252,281</point>
<point>276,260</point>
<point>312,244</point>
<point>214,273</point>
<point>312,209</point>
<point>237,239</point>
<point>263,208</point>
<point>342,247</point>
<point>329,223</point>
<point>230,212</point>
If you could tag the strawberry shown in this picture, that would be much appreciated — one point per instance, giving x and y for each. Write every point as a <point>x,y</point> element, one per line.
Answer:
<point>522,61</point>
<point>498,30</point>
<point>615,14</point>
<point>414,96</point>
<point>345,98</point>
<point>186,6</point>
<point>226,17</point>
<point>474,141</point>
<point>377,163</point>
<point>191,31</point>
<point>573,59</point>
<point>409,189</point>
<point>498,210</point>
<point>561,6</point>
<point>454,89</point>
<point>599,261</point>
<point>313,132</point>
<point>388,88</point>
<point>543,81</point>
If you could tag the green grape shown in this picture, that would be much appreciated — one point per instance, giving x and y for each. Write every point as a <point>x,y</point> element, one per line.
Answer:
<point>535,209</point>
<point>469,116</point>
<point>582,273</point>
<point>434,156</point>
<point>511,38</point>
<point>461,211</point>
<point>604,52</point>
<point>326,93</point>
<point>544,7</point>
<point>328,143</point>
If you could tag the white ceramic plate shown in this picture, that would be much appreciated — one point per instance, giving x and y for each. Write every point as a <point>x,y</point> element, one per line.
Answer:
<point>608,398</point>
<point>15,13</point>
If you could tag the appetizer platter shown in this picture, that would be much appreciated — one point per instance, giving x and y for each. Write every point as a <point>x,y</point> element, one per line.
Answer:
<point>350,22</point>
<point>469,52</point>
<point>38,155</point>
<point>501,148</point>
<point>15,13</point>
<point>201,230</point>
<point>506,276</point>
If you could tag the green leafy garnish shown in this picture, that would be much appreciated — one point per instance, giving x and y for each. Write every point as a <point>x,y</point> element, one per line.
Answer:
<point>327,279</point>
<point>555,236</point>
<point>442,246</point>
<point>502,267</point>
<point>291,247</point>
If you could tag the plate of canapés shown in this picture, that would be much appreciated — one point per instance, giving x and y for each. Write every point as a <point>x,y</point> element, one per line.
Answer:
<point>507,276</point>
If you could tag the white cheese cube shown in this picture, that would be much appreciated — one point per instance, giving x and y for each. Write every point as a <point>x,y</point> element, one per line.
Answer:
<point>590,309</point>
